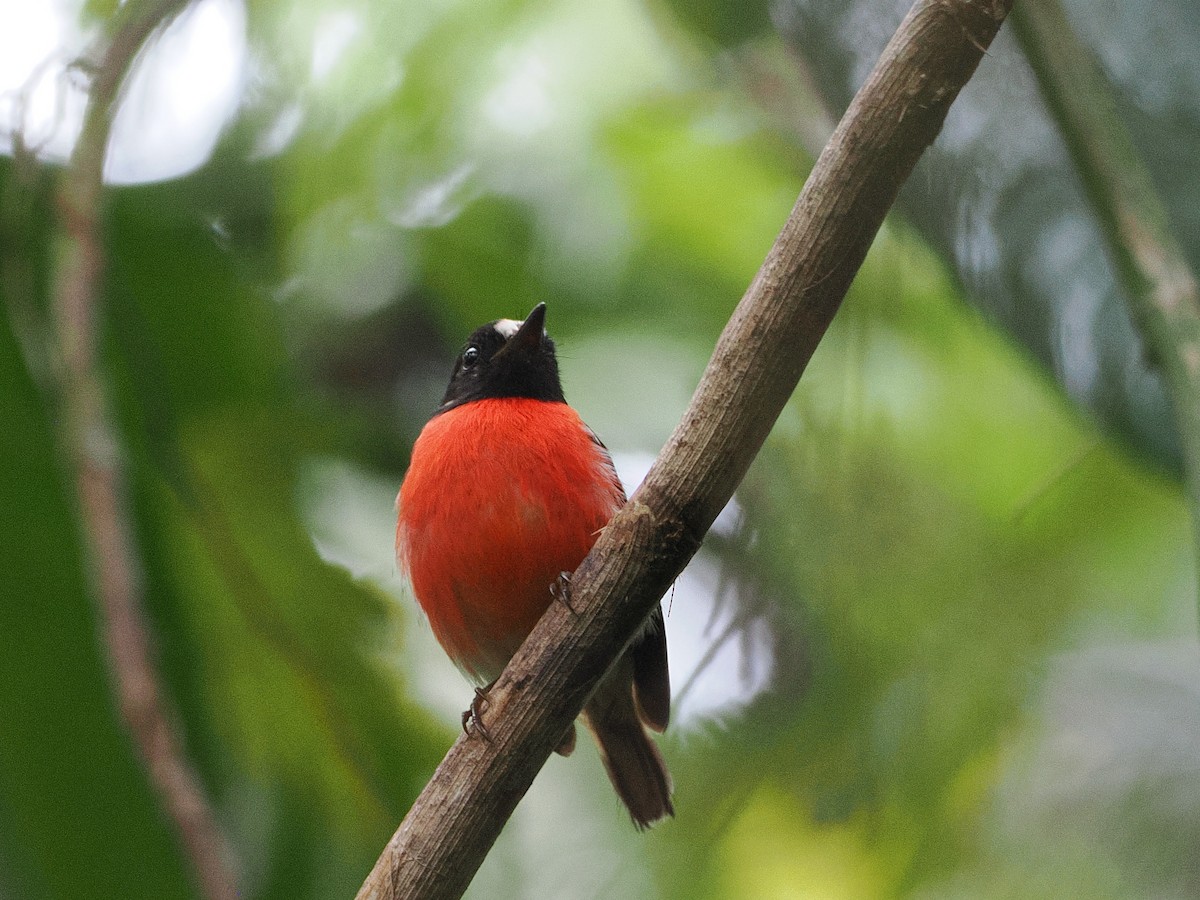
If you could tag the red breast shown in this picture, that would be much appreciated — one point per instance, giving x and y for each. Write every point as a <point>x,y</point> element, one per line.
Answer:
<point>502,495</point>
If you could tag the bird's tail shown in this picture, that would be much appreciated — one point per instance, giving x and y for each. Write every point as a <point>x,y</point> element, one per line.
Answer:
<point>630,756</point>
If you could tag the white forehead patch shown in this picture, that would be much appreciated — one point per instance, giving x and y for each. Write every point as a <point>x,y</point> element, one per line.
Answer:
<point>507,327</point>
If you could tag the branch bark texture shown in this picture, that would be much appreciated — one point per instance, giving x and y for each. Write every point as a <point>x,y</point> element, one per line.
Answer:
<point>90,449</point>
<point>753,371</point>
<point>1164,298</point>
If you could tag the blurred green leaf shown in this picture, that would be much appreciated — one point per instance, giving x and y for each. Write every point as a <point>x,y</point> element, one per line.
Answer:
<point>726,24</point>
<point>75,809</point>
<point>278,655</point>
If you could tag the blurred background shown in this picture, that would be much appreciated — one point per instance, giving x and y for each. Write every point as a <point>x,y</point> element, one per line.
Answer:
<point>941,644</point>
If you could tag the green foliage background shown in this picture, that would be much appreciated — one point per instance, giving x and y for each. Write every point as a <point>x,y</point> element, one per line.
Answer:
<point>975,602</point>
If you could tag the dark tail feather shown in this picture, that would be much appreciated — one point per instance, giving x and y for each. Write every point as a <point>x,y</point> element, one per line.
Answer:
<point>630,756</point>
<point>637,771</point>
<point>651,676</point>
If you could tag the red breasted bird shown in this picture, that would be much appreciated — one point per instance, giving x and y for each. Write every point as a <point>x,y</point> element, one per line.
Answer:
<point>508,488</point>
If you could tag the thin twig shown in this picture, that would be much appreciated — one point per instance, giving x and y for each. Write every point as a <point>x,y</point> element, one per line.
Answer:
<point>1164,299</point>
<point>754,369</point>
<point>90,448</point>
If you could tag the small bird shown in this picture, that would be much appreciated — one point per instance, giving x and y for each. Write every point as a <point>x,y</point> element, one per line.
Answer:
<point>505,494</point>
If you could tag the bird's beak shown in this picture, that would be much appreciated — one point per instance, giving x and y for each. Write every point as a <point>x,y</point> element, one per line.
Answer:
<point>529,335</point>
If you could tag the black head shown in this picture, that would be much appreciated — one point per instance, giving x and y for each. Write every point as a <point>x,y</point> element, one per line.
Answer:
<point>506,358</point>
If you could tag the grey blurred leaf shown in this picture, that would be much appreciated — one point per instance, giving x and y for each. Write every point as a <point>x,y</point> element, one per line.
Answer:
<point>998,197</point>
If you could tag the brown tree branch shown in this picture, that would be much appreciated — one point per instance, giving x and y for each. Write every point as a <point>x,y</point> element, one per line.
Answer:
<point>1163,295</point>
<point>754,369</point>
<point>90,448</point>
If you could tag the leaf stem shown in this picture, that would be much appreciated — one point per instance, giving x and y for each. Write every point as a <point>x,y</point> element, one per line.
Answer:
<point>1163,297</point>
<point>90,447</point>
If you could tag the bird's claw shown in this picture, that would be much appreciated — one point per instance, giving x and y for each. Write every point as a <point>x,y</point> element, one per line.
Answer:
<point>560,590</point>
<point>472,717</point>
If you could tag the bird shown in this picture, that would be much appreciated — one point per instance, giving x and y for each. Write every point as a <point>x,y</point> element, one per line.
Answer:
<point>506,492</point>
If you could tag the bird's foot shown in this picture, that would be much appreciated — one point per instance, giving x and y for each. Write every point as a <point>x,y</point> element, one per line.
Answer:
<point>472,717</point>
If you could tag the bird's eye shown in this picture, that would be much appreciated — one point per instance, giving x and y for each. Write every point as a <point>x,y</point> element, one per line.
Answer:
<point>470,356</point>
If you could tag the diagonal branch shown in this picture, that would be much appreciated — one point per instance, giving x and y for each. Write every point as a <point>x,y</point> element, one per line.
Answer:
<point>1164,298</point>
<point>90,450</point>
<point>754,369</point>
